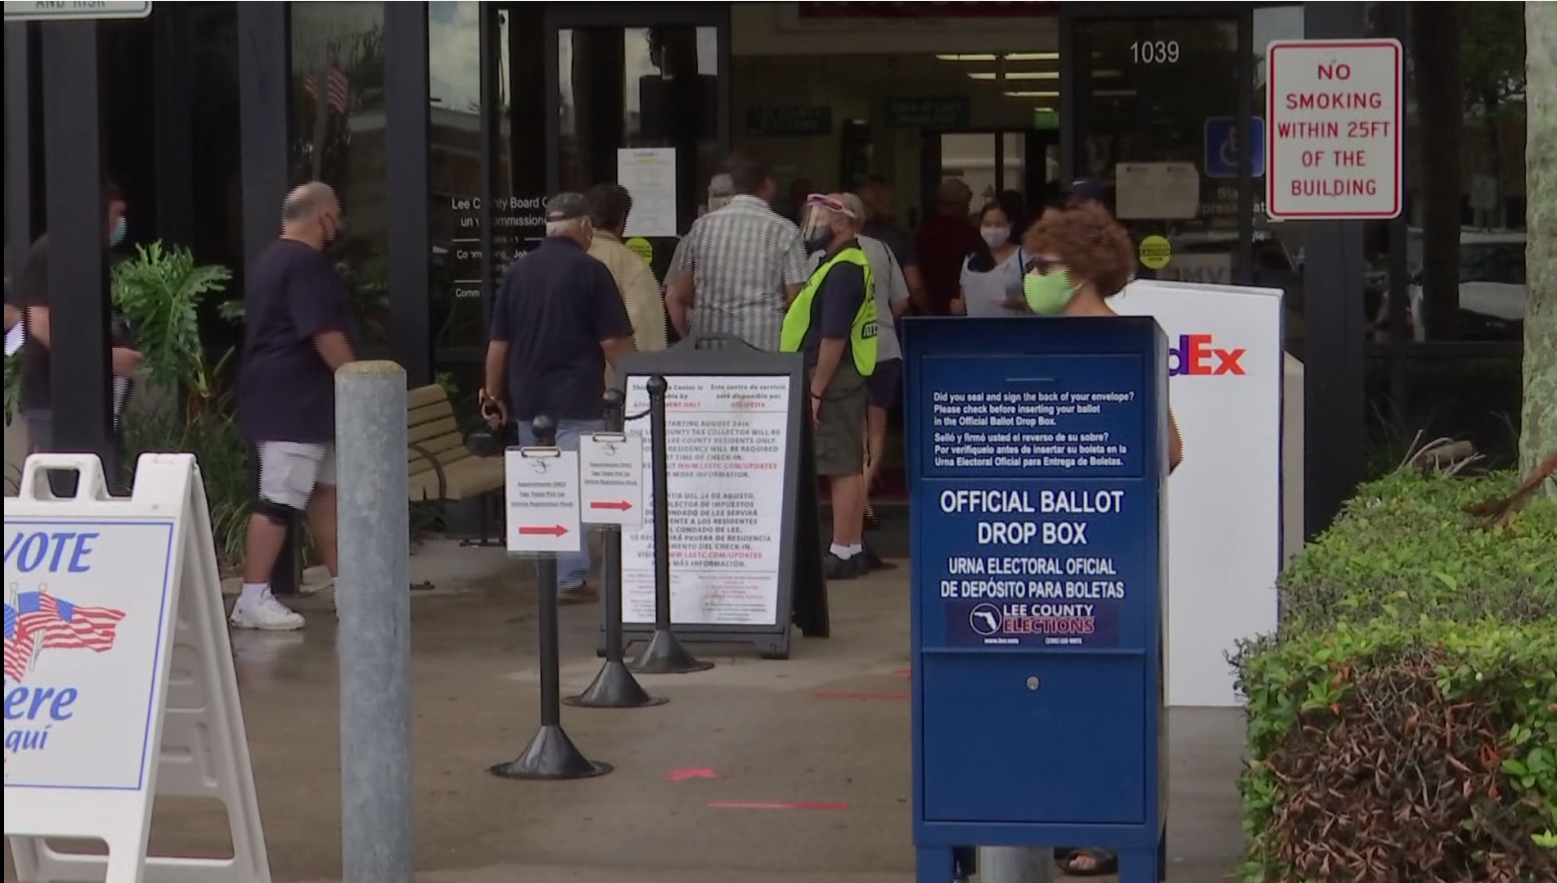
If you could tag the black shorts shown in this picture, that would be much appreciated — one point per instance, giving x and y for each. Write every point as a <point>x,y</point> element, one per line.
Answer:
<point>886,383</point>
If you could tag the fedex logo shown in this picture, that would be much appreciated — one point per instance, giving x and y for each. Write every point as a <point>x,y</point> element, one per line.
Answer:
<point>1195,355</point>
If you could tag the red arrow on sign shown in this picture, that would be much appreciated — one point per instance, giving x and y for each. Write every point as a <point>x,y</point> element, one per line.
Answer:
<point>555,530</point>
<point>619,505</point>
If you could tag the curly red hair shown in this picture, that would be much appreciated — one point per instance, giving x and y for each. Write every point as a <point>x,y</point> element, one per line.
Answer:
<point>1093,246</point>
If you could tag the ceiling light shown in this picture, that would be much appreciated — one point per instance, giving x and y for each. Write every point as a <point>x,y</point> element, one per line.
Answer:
<point>967,57</point>
<point>1113,93</point>
<point>1014,56</point>
<point>1015,75</point>
<point>1032,94</point>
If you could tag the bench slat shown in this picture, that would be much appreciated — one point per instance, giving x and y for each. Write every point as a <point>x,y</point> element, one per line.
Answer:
<point>429,413</point>
<point>425,395</point>
<point>418,434</point>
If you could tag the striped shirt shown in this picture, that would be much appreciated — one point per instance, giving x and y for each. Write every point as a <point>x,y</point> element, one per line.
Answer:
<point>741,257</point>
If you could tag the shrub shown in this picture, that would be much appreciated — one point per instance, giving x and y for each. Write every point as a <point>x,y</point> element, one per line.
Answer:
<point>1403,549</point>
<point>1402,725</point>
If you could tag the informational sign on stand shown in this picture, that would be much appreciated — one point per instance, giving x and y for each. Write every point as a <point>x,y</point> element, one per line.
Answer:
<point>611,475</point>
<point>1335,131</point>
<point>1037,459</point>
<point>744,543</point>
<point>1225,362</point>
<point>543,501</point>
<point>119,682</point>
<point>76,11</point>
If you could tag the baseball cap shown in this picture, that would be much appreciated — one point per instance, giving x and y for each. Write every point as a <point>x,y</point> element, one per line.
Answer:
<point>567,207</point>
<point>1089,188</point>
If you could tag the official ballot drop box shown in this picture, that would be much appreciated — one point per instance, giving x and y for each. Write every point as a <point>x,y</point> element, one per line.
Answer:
<point>1037,455</point>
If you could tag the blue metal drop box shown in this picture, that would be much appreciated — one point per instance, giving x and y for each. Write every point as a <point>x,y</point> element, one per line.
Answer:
<point>1037,457</point>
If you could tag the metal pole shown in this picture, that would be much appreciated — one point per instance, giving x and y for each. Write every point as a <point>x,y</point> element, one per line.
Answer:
<point>374,636</point>
<point>1015,864</point>
<point>664,654</point>
<point>614,686</point>
<point>550,754</point>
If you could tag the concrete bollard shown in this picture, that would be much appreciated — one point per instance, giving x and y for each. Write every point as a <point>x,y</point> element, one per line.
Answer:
<point>374,636</point>
<point>1015,864</point>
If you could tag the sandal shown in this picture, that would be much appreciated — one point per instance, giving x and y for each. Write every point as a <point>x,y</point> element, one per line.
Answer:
<point>1103,861</point>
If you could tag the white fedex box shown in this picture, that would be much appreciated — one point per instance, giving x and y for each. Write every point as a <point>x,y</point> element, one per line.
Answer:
<point>1224,524</point>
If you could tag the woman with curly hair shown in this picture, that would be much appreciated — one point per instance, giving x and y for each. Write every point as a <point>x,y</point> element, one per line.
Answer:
<point>1081,257</point>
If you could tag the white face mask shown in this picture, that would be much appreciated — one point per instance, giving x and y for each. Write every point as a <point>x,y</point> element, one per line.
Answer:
<point>995,237</point>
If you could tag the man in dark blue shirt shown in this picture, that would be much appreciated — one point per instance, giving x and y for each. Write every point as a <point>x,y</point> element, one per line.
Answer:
<point>298,331</point>
<point>556,323</point>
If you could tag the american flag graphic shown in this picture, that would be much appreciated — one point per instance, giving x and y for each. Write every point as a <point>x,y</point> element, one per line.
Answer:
<point>38,621</point>
<point>337,88</point>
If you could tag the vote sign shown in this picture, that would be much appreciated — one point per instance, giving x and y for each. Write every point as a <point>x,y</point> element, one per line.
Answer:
<point>81,654</point>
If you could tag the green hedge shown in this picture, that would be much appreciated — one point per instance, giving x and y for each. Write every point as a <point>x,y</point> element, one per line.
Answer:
<point>1403,723</point>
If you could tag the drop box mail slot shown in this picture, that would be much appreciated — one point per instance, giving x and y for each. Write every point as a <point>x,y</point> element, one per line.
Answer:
<point>1059,737</point>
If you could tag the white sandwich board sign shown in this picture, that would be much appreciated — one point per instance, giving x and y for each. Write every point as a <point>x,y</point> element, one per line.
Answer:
<point>1334,129</point>
<point>119,682</point>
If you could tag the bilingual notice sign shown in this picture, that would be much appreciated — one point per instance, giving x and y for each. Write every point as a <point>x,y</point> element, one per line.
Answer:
<point>117,658</point>
<point>1335,122</point>
<point>1037,456</point>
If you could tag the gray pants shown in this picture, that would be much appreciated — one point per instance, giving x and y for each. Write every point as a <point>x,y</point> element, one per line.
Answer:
<point>40,440</point>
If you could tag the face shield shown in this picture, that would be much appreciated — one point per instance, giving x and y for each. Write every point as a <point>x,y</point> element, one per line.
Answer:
<point>821,216</point>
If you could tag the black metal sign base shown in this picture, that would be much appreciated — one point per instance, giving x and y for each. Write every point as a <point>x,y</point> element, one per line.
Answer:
<point>664,655</point>
<point>551,755</point>
<point>615,687</point>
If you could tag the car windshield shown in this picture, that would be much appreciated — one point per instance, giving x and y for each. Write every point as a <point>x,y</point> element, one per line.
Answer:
<point>1502,262</point>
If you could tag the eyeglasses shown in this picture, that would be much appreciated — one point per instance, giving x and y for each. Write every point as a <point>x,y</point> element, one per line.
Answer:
<point>1042,265</point>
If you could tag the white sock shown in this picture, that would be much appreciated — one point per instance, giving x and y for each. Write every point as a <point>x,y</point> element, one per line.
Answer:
<point>253,592</point>
<point>856,549</point>
<point>844,552</point>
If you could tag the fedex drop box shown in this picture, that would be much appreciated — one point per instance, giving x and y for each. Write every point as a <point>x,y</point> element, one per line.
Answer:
<point>1224,524</point>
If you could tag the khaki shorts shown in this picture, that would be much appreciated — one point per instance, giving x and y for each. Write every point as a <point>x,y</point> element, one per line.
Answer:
<point>289,471</point>
<point>840,429</point>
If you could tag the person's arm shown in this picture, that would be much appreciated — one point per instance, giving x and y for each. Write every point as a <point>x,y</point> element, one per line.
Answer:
<point>841,295</point>
<point>316,305</point>
<point>12,316</point>
<point>680,293</point>
<point>1175,444</point>
<point>792,263</point>
<point>641,296</point>
<point>897,287</point>
<point>613,327</point>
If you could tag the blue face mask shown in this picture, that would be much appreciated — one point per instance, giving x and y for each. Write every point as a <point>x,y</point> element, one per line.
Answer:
<point>116,235</point>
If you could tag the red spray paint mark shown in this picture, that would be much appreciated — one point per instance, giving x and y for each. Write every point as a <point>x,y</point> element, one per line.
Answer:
<point>684,775</point>
<point>736,804</point>
<point>862,695</point>
<point>906,673</point>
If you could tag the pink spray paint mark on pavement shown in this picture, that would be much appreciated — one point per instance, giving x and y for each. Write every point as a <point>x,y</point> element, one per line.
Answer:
<point>779,804</point>
<point>684,775</point>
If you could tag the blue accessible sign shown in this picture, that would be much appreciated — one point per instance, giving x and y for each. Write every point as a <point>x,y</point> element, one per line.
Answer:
<point>1037,454</point>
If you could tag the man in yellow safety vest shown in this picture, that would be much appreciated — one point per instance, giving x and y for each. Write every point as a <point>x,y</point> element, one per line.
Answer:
<point>832,321</point>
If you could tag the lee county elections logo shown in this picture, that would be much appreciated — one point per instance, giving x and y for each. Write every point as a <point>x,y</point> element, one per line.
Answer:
<point>985,620</point>
<point>38,622</point>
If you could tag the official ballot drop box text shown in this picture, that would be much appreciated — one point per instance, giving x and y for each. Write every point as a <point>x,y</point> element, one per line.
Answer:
<point>1038,456</point>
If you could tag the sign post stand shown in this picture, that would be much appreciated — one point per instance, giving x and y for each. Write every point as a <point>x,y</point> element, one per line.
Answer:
<point>611,471</point>
<point>543,519</point>
<point>1037,455</point>
<point>663,655</point>
<point>119,682</point>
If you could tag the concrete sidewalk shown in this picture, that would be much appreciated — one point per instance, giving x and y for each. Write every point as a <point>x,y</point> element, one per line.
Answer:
<point>760,729</point>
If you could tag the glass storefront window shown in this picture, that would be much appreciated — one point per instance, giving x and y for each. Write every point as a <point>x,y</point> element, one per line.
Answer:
<point>337,136</point>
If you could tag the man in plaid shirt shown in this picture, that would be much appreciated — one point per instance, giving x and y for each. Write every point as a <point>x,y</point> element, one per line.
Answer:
<point>739,266</point>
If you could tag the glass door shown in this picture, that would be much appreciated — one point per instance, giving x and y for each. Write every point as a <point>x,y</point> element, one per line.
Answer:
<point>641,100</point>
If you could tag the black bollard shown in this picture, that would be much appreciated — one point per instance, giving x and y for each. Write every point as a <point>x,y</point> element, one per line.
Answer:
<point>551,754</point>
<point>664,655</point>
<point>614,686</point>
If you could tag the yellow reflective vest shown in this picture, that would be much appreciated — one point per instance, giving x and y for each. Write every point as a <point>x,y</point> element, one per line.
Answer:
<point>862,334</point>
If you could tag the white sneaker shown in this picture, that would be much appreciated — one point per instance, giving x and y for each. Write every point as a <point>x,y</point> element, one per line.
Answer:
<point>266,614</point>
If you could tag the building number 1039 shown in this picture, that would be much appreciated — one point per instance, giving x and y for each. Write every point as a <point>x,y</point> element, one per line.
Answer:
<point>1155,51</point>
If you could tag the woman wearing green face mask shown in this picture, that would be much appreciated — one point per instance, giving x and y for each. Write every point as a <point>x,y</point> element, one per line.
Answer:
<point>1080,258</point>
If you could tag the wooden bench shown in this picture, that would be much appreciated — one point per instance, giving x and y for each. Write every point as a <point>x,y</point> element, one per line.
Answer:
<point>442,468</point>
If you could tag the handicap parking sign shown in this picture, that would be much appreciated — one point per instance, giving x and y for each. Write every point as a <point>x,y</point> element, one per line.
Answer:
<point>1221,160</point>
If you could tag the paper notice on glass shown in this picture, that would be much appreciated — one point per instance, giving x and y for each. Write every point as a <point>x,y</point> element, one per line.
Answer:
<point>649,174</point>
<point>1156,191</point>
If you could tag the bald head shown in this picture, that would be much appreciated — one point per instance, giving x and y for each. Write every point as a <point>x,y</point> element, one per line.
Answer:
<point>312,214</point>
<point>853,210</point>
